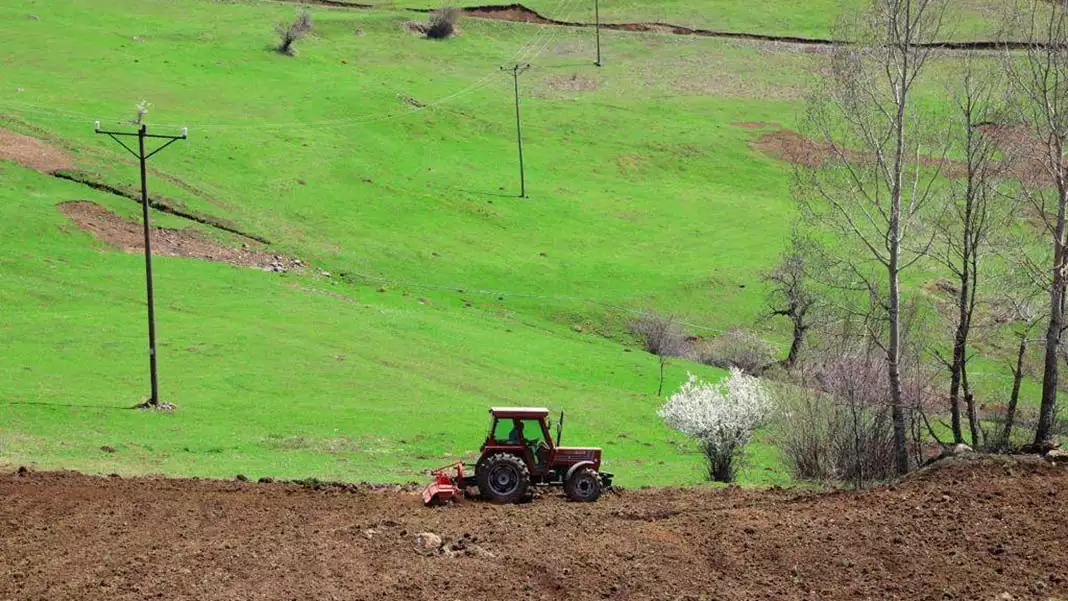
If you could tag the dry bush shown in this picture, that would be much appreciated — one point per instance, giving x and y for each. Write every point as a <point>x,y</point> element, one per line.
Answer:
<point>660,334</point>
<point>737,348</point>
<point>834,418</point>
<point>1024,423</point>
<point>804,432</point>
<point>291,32</point>
<point>443,23</point>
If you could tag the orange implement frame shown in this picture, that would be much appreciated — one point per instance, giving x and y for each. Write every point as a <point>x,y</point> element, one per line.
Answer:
<point>446,486</point>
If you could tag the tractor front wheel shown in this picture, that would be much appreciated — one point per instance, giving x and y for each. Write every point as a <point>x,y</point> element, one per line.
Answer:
<point>503,478</point>
<point>584,485</point>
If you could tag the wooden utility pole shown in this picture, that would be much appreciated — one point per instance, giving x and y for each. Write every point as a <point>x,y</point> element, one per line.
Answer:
<point>516,70</point>
<point>141,134</point>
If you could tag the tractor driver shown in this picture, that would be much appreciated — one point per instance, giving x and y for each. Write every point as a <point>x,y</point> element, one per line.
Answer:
<point>516,435</point>
<point>538,449</point>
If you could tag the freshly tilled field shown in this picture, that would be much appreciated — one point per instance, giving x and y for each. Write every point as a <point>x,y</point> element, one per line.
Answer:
<point>981,528</point>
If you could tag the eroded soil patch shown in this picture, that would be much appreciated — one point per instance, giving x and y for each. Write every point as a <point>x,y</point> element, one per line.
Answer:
<point>572,83</point>
<point>790,146</point>
<point>982,530</point>
<point>32,153</point>
<point>128,235</point>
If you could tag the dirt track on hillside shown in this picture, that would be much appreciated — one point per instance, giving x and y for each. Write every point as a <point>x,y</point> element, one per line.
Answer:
<point>128,235</point>
<point>32,153</point>
<point>969,530</point>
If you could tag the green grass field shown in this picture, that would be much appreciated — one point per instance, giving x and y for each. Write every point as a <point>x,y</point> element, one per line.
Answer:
<point>448,293</point>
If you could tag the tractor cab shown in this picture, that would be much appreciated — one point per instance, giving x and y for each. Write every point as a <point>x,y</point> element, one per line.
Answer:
<point>523,430</point>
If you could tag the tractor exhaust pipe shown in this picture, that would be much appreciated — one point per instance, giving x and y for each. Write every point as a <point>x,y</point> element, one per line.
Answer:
<point>559,428</point>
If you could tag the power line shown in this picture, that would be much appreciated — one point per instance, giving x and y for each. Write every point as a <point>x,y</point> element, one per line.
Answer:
<point>540,41</point>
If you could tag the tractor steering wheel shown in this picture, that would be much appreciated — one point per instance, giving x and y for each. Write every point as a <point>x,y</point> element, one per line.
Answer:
<point>541,452</point>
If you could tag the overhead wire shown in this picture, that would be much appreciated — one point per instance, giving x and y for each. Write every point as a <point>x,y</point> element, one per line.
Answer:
<point>529,51</point>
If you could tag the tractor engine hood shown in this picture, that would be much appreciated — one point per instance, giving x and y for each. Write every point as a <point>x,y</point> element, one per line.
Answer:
<point>576,454</point>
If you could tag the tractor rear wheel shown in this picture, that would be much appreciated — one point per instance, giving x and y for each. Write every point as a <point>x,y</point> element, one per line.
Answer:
<point>584,485</point>
<point>503,478</point>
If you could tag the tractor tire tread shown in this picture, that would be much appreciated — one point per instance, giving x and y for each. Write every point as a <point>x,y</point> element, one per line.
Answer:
<point>482,474</point>
<point>572,492</point>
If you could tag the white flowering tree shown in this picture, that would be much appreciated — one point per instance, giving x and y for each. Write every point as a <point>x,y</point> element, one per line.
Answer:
<point>721,416</point>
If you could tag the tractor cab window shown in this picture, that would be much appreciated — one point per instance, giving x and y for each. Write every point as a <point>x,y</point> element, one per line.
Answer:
<point>518,431</point>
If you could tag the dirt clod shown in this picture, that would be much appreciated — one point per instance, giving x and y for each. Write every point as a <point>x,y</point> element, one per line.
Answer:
<point>428,541</point>
<point>128,235</point>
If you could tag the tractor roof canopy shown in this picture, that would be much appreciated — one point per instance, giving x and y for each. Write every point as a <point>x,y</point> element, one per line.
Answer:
<point>520,412</point>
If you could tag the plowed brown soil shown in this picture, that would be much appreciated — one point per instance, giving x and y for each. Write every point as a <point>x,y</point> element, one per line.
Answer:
<point>128,235</point>
<point>979,529</point>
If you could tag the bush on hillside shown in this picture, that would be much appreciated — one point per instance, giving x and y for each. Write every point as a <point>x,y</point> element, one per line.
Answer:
<point>660,334</point>
<point>443,23</point>
<point>737,348</point>
<point>291,32</point>
<point>722,417</point>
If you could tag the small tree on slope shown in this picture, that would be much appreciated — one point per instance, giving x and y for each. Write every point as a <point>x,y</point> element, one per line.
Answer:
<point>722,417</point>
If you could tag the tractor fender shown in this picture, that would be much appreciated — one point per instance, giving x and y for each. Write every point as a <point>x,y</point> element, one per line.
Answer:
<point>574,468</point>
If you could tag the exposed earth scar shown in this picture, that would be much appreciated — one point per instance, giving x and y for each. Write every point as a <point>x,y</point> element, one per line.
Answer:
<point>160,204</point>
<point>128,235</point>
<point>522,14</point>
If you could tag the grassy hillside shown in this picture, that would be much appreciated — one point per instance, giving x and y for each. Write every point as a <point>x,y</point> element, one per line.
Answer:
<point>322,154</point>
<point>389,162</point>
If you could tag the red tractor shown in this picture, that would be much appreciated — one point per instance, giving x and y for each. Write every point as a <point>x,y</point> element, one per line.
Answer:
<point>519,453</point>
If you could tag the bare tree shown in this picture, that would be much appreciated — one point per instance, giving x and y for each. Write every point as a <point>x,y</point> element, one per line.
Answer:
<point>966,232</point>
<point>661,336</point>
<point>791,294</point>
<point>1038,80</point>
<point>1026,317</point>
<point>443,22</point>
<point>876,180</point>
<point>293,31</point>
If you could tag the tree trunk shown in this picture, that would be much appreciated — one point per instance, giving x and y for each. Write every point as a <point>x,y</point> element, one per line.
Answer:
<point>795,346</point>
<point>893,360</point>
<point>955,368</point>
<point>893,349</point>
<point>660,389</point>
<point>1017,379</point>
<point>1056,314</point>
<point>965,299</point>
<point>973,420</point>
